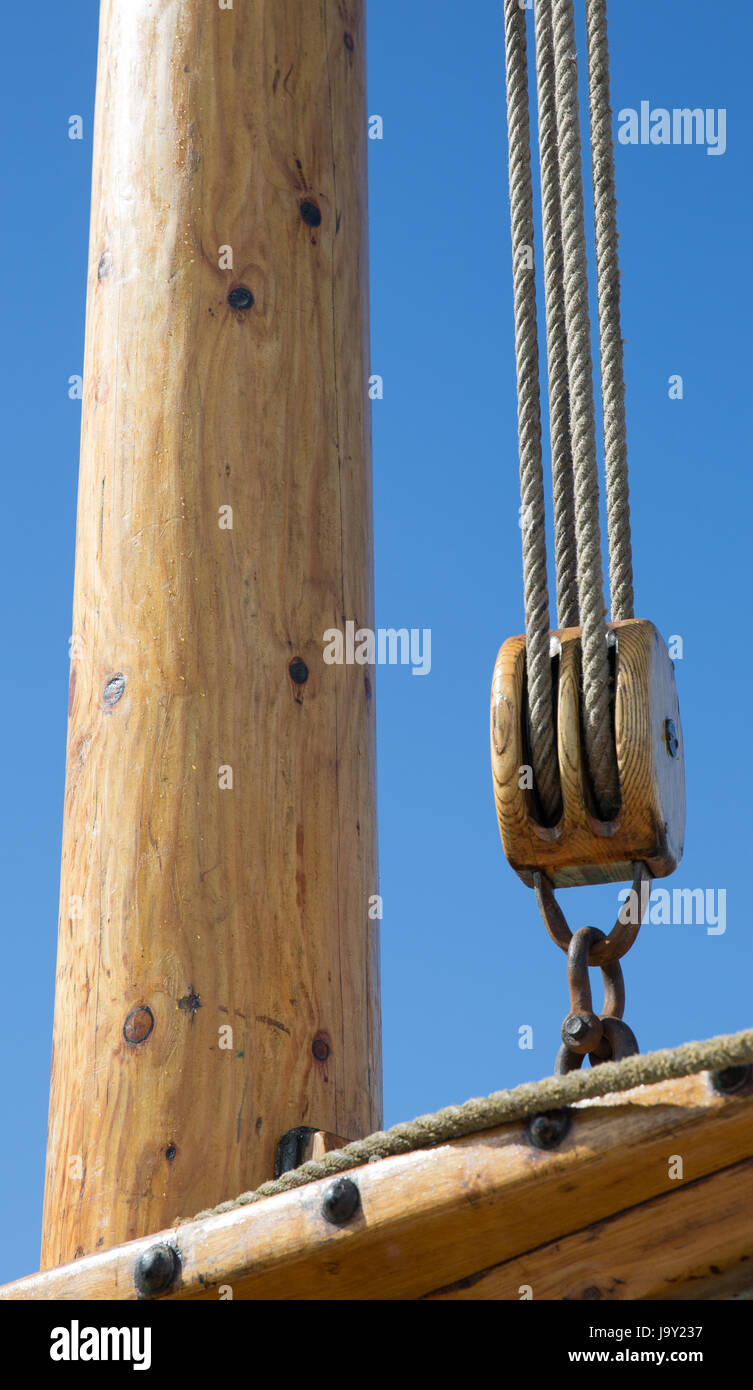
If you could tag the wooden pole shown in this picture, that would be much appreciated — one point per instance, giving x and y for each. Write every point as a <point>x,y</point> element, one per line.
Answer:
<point>217,979</point>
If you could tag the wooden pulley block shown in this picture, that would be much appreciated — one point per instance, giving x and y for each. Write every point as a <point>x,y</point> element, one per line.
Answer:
<point>650,823</point>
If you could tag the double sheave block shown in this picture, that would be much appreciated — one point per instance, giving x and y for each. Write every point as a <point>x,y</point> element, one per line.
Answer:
<point>649,825</point>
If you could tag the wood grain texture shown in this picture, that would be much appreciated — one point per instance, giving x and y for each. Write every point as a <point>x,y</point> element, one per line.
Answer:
<point>431,1218</point>
<point>691,1243</point>
<point>650,824</point>
<point>213,906</point>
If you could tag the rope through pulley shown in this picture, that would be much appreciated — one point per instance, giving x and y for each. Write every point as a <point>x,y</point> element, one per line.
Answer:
<point>575,479</point>
<point>599,731</point>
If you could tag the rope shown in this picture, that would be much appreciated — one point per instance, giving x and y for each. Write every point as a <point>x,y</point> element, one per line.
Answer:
<point>610,331</point>
<point>535,588</point>
<point>597,728</point>
<point>505,1107</point>
<point>556,349</point>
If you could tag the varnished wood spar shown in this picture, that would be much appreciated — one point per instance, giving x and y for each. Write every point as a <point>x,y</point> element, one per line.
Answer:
<point>431,1218</point>
<point>688,1244</point>
<point>650,824</point>
<point>189,907</point>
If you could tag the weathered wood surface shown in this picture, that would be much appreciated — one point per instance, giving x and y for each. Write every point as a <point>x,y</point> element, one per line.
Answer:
<point>690,1243</point>
<point>188,906</point>
<point>435,1217</point>
<point>650,824</point>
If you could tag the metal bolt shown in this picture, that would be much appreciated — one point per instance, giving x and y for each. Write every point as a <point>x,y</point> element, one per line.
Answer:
<point>670,738</point>
<point>170,1152</point>
<point>114,689</point>
<point>548,1130</point>
<point>575,1026</point>
<point>341,1201</point>
<point>138,1025</point>
<point>731,1079</point>
<point>582,1032</point>
<point>299,671</point>
<point>156,1269</point>
<point>311,214</point>
<point>240,298</point>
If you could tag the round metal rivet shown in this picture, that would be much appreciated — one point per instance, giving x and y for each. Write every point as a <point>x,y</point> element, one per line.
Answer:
<point>240,298</point>
<point>156,1269</point>
<point>548,1130</point>
<point>731,1079</point>
<point>341,1201</point>
<point>311,214</point>
<point>299,671</point>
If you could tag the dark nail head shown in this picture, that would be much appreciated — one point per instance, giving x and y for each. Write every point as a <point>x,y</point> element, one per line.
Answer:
<point>341,1201</point>
<point>299,671</point>
<point>311,214</point>
<point>156,1269</point>
<point>240,298</point>
<point>548,1130</point>
<point>731,1079</point>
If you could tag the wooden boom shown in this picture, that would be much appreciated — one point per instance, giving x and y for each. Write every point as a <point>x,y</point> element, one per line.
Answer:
<point>647,1196</point>
<point>217,980</point>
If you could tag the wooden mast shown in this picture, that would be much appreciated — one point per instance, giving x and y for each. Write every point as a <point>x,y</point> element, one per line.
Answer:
<point>217,979</point>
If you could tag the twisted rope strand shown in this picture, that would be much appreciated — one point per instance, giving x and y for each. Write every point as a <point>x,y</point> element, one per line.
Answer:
<point>556,341</point>
<point>598,734</point>
<point>610,331</point>
<point>535,588</point>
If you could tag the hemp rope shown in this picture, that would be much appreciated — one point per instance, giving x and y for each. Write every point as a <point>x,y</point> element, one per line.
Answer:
<point>504,1107</point>
<point>610,331</point>
<point>556,339</point>
<point>596,703</point>
<point>575,476</point>
<point>535,588</point>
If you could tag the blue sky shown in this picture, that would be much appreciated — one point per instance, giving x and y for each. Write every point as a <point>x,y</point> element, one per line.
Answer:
<point>466,960</point>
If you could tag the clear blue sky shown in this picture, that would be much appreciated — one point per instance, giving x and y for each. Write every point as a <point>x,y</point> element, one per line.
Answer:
<point>466,960</point>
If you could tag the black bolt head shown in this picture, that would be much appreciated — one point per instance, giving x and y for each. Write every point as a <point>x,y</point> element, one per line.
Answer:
<point>341,1201</point>
<point>156,1269</point>
<point>731,1079</point>
<point>240,298</point>
<point>311,214</point>
<point>299,671</point>
<point>548,1130</point>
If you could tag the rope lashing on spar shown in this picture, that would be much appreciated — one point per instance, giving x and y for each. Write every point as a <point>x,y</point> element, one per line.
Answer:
<point>575,474</point>
<point>720,1054</point>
